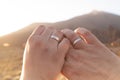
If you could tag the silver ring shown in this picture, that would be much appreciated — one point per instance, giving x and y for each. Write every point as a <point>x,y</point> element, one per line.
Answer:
<point>55,38</point>
<point>77,40</point>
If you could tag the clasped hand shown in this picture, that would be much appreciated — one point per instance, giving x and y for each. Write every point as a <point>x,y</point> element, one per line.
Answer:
<point>78,55</point>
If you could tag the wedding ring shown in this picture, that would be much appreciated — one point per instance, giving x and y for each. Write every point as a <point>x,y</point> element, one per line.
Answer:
<point>55,38</point>
<point>77,40</point>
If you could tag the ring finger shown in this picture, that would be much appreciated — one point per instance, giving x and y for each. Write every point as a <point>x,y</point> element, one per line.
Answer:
<point>75,39</point>
<point>56,37</point>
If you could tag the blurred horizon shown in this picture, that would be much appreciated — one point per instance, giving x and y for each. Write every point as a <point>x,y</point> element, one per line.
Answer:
<point>16,14</point>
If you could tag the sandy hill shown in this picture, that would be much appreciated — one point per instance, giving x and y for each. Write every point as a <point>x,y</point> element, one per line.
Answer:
<point>105,26</point>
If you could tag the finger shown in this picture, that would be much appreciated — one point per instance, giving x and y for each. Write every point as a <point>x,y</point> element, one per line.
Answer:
<point>63,47</point>
<point>38,31</point>
<point>47,33</point>
<point>74,38</point>
<point>87,35</point>
<point>56,37</point>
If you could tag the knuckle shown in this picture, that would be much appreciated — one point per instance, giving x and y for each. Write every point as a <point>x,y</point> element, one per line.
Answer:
<point>87,33</point>
<point>35,41</point>
<point>72,35</point>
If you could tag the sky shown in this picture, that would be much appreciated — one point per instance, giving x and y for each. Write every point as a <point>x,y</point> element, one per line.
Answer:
<point>16,14</point>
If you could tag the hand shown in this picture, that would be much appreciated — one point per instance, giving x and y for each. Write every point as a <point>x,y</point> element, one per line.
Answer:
<point>89,59</point>
<point>44,56</point>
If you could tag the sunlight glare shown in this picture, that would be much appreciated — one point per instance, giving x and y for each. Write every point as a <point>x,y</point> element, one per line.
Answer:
<point>6,44</point>
<point>16,14</point>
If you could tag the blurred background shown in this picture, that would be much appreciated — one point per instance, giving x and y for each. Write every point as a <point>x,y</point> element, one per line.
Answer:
<point>18,18</point>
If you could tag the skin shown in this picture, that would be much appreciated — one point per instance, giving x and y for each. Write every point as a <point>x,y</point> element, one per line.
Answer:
<point>89,59</point>
<point>43,56</point>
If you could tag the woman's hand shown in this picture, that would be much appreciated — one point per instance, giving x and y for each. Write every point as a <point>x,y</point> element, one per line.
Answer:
<point>44,55</point>
<point>89,59</point>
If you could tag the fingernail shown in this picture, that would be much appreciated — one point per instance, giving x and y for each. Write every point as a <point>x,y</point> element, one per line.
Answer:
<point>42,28</point>
<point>81,30</point>
<point>76,30</point>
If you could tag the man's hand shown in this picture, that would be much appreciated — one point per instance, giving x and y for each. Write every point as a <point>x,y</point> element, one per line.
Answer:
<point>89,59</point>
